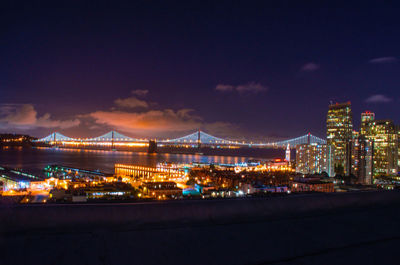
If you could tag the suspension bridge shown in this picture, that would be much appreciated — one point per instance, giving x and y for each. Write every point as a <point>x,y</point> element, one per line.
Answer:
<point>197,139</point>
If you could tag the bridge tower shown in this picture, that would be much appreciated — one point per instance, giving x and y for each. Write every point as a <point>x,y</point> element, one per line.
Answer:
<point>198,140</point>
<point>55,138</point>
<point>112,140</point>
<point>152,147</point>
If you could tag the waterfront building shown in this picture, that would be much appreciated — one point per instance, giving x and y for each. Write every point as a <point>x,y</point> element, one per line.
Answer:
<point>16,180</point>
<point>278,164</point>
<point>362,159</point>
<point>287,153</point>
<point>161,172</point>
<point>339,125</point>
<point>312,158</point>
<point>66,172</point>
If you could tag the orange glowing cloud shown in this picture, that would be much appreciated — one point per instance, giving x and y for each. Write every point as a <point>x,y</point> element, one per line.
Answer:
<point>131,102</point>
<point>153,120</point>
<point>25,116</point>
<point>156,121</point>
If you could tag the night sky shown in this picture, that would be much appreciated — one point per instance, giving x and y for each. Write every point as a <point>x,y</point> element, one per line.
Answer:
<point>235,70</point>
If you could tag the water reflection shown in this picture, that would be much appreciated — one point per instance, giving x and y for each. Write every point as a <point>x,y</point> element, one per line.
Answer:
<point>36,159</point>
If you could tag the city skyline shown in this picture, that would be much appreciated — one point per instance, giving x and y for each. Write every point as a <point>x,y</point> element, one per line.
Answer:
<point>255,71</point>
<point>199,132</point>
<point>107,130</point>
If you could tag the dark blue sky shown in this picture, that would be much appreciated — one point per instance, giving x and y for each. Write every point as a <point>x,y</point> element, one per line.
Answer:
<point>278,67</point>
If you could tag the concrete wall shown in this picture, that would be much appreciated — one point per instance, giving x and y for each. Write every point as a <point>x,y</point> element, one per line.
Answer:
<point>28,217</point>
<point>329,229</point>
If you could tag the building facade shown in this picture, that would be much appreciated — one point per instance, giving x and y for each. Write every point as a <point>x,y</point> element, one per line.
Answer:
<point>287,153</point>
<point>312,158</point>
<point>311,186</point>
<point>398,146</point>
<point>362,159</point>
<point>384,135</point>
<point>339,125</point>
<point>367,117</point>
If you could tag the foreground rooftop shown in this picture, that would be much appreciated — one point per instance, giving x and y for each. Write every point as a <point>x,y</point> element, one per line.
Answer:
<point>342,228</point>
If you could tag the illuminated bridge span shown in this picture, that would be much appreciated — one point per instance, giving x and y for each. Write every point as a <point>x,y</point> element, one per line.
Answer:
<point>108,137</point>
<point>200,137</point>
<point>195,139</point>
<point>203,138</point>
<point>55,137</point>
<point>115,136</point>
<point>305,139</point>
<point>111,139</point>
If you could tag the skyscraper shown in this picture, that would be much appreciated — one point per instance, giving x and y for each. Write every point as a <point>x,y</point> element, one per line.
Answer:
<point>339,126</point>
<point>367,118</point>
<point>385,144</point>
<point>398,146</point>
<point>312,158</point>
<point>362,159</point>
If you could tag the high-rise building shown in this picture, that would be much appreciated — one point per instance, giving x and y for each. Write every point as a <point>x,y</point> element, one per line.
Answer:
<point>384,135</point>
<point>367,117</point>
<point>330,166</point>
<point>355,135</point>
<point>339,126</point>
<point>312,158</point>
<point>362,159</point>
<point>398,146</point>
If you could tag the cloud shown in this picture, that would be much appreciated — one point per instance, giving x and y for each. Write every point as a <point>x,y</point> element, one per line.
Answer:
<point>252,87</point>
<point>128,118</point>
<point>383,60</point>
<point>139,92</point>
<point>156,122</point>
<point>24,116</point>
<point>152,120</point>
<point>16,114</point>
<point>378,99</point>
<point>310,67</point>
<point>124,116</point>
<point>131,102</point>
<point>222,87</point>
